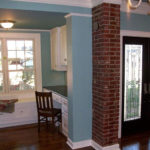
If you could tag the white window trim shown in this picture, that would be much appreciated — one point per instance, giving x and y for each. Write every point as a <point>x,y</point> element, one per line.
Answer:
<point>38,71</point>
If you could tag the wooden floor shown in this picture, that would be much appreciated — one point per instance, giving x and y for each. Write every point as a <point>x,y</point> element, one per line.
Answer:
<point>140,141</point>
<point>27,138</point>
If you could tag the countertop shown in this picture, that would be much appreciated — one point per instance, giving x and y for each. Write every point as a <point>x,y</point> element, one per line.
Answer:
<point>61,90</point>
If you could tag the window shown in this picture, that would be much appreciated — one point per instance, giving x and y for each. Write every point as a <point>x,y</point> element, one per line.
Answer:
<point>19,70</point>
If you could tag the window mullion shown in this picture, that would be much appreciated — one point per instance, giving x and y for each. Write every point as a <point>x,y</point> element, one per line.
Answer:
<point>5,66</point>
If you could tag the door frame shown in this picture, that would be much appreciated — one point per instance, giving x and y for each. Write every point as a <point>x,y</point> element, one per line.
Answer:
<point>122,34</point>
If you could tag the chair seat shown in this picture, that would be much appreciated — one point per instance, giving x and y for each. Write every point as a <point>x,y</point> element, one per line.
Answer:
<point>49,112</point>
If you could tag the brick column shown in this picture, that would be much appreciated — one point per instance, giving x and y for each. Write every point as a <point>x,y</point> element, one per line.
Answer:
<point>106,73</point>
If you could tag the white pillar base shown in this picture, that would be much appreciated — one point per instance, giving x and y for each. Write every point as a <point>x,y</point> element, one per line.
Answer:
<point>99,147</point>
<point>86,143</point>
<point>76,145</point>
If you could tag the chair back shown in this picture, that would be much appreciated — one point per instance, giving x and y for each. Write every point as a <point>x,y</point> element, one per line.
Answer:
<point>44,101</point>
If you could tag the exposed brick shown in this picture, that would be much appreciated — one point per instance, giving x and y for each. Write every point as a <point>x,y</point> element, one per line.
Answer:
<point>106,73</point>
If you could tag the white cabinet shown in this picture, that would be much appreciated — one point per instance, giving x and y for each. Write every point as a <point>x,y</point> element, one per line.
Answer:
<point>65,117</point>
<point>59,48</point>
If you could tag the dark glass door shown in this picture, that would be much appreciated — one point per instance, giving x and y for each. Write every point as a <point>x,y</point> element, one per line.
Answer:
<point>136,85</point>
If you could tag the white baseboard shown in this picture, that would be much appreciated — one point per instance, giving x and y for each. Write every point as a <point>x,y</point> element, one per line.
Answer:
<point>76,145</point>
<point>99,147</point>
<point>86,143</point>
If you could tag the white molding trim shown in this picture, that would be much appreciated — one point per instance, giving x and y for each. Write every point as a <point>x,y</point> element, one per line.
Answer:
<point>86,143</point>
<point>34,30</point>
<point>78,3</point>
<point>144,8</point>
<point>99,147</point>
<point>132,34</point>
<point>98,2</point>
<point>77,14</point>
<point>76,145</point>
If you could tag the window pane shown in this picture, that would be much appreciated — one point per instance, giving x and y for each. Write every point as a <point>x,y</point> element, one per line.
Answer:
<point>20,45</point>
<point>12,64</point>
<point>1,82</point>
<point>29,63</point>
<point>21,80</point>
<point>29,45</point>
<point>28,79</point>
<point>20,54</point>
<point>11,54</point>
<point>11,45</point>
<point>29,54</point>
<point>21,64</point>
<point>133,82</point>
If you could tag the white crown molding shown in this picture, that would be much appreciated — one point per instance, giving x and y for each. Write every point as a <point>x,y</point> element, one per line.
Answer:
<point>78,14</point>
<point>144,8</point>
<point>79,3</point>
<point>86,143</point>
<point>98,2</point>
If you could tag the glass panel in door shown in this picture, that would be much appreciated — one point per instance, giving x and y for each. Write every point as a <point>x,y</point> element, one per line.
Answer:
<point>133,81</point>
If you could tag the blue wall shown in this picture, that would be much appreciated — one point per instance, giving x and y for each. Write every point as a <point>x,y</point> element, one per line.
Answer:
<point>79,78</point>
<point>79,30</point>
<point>136,22</point>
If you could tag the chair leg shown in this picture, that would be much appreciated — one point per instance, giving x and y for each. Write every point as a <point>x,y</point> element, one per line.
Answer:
<point>59,120</point>
<point>46,122</point>
<point>53,123</point>
<point>38,123</point>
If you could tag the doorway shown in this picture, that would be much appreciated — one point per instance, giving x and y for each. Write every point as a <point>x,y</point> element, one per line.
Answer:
<point>136,85</point>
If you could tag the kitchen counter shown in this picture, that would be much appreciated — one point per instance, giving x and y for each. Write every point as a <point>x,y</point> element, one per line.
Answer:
<point>61,90</point>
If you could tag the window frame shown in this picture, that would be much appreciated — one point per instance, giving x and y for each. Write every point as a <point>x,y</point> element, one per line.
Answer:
<point>37,62</point>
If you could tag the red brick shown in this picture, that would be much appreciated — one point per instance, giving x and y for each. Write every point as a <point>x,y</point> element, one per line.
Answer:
<point>106,73</point>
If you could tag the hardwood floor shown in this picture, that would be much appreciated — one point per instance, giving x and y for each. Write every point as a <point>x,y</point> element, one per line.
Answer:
<point>28,138</point>
<point>140,141</point>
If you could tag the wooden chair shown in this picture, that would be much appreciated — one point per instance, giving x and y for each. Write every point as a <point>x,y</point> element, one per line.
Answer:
<point>45,109</point>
